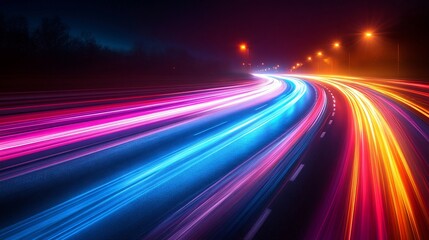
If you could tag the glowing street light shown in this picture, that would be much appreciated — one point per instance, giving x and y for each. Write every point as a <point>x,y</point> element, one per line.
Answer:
<point>243,47</point>
<point>368,34</point>
<point>319,53</point>
<point>309,58</point>
<point>336,45</point>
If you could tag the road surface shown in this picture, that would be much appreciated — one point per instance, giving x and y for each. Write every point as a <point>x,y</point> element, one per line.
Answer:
<point>277,156</point>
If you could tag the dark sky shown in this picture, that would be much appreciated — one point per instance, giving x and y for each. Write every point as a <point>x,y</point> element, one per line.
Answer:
<point>277,31</point>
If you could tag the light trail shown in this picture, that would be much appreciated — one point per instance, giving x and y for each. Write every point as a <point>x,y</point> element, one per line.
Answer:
<point>78,125</point>
<point>183,166</point>
<point>384,182</point>
<point>15,146</point>
<point>202,163</point>
<point>245,186</point>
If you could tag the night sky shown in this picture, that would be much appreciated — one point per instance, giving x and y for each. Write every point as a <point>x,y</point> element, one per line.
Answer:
<point>276,31</point>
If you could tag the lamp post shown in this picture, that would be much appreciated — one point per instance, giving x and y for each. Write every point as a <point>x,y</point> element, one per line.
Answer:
<point>319,54</point>
<point>244,48</point>
<point>397,58</point>
<point>368,35</point>
<point>336,45</point>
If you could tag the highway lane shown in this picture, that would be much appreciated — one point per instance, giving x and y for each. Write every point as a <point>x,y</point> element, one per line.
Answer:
<point>75,126</point>
<point>81,175</point>
<point>295,207</point>
<point>377,187</point>
<point>277,156</point>
<point>385,186</point>
<point>220,212</point>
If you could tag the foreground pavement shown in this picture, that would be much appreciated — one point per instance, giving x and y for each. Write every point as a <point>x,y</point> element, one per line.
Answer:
<point>277,156</point>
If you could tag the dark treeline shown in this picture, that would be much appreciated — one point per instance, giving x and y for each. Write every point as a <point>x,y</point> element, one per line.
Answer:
<point>48,55</point>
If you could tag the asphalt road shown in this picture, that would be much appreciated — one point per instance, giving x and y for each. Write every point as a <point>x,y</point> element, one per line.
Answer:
<point>366,176</point>
<point>277,156</point>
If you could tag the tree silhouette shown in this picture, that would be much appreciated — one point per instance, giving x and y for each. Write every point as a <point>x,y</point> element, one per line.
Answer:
<point>52,35</point>
<point>15,35</point>
<point>54,57</point>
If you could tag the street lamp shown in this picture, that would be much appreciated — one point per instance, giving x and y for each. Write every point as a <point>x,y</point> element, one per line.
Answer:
<point>336,45</point>
<point>309,58</point>
<point>244,48</point>
<point>368,34</point>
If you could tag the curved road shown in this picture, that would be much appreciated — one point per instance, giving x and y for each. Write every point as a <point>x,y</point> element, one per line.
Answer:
<point>276,156</point>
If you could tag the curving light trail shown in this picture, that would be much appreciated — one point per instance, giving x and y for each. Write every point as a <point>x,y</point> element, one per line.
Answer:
<point>203,163</point>
<point>16,145</point>
<point>251,180</point>
<point>184,169</point>
<point>382,190</point>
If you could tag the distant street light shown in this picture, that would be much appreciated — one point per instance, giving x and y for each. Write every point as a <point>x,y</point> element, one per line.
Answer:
<point>309,58</point>
<point>336,45</point>
<point>368,34</point>
<point>319,53</point>
<point>243,47</point>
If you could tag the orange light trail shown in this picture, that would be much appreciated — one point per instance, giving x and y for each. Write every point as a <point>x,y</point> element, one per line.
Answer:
<point>382,188</point>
